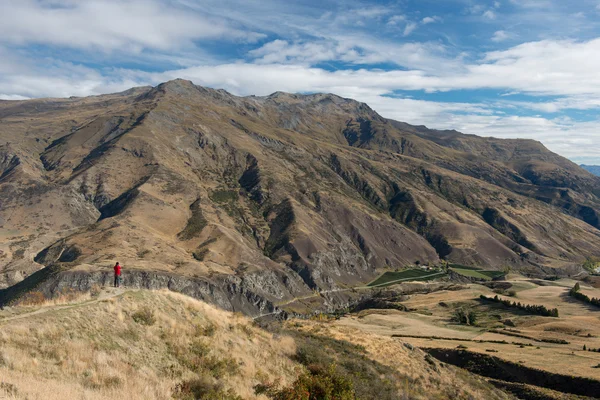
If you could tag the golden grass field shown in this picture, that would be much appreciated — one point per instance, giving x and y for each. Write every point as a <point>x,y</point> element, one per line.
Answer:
<point>125,344</point>
<point>578,323</point>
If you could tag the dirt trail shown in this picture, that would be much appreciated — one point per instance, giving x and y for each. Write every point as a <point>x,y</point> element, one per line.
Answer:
<point>105,294</point>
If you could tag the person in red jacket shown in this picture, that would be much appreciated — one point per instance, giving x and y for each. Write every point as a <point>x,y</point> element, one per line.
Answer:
<point>117,275</point>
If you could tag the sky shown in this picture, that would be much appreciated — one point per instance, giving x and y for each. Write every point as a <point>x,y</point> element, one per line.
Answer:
<point>502,68</point>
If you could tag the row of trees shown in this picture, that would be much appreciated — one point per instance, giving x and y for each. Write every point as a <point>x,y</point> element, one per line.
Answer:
<point>575,292</point>
<point>531,309</point>
<point>590,349</point>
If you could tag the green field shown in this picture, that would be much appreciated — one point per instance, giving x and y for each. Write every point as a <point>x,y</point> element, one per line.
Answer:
<point>477,273</point>
<point>389,278</point>
<point>459,266</point>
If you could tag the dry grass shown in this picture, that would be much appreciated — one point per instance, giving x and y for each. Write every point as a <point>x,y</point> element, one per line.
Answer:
<point>578,324</point>
<point>97,350</point>
<point>144,345</point>
<point>423,378</point>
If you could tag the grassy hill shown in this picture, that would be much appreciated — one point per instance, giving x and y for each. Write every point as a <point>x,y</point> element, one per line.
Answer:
<point>158,345</point>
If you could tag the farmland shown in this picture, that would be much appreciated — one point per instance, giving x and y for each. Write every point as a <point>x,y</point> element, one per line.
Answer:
<point>477,273</point>
<point>414,274</point>
<point>546,344</point>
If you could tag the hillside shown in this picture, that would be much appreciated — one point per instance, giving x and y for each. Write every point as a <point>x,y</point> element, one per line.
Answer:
<point>594,169</point>
<point>253,202</point>
<point>158,345</point>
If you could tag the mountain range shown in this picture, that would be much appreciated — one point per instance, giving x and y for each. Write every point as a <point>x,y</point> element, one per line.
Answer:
<point>594,169</point>
<point>251,202</point>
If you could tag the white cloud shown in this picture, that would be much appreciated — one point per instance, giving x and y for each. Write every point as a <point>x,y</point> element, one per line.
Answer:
<point>12,97</point>
<point>489,14</point>
<point>355,49</point>
<point>395,19</point>
<point>131,25</point>
<point>409,28</point>
<point>500,36</point>
<point>560,68</point>
<point>429,20</point>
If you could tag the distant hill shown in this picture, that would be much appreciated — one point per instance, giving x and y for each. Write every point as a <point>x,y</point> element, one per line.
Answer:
<point>594,169</point>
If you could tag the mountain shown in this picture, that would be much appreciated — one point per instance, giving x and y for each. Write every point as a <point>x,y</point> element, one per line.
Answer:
<point>594,169</point>
<point>254,202</point>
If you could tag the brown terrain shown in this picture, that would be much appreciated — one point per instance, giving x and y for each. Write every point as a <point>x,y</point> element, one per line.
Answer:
<point>545,353</point>
<point>250,202</point>
<point>285,205</point>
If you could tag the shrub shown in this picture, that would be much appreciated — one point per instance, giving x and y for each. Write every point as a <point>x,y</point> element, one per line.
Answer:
<point>203,388</point>
<point>464,317</point>
<point>219,367</point>
<point>145,316</point>
<point>8,388</point>
<point>95,290</point>
<point>318,383</point>
<point>591,263</point>
<point>33,299</point>
<point>206,330</point>
<point>199,348</point>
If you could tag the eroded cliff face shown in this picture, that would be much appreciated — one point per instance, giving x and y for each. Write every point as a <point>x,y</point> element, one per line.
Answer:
<point>267,199</point>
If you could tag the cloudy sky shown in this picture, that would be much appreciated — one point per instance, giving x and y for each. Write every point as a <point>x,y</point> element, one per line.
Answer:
<point>504,68</point>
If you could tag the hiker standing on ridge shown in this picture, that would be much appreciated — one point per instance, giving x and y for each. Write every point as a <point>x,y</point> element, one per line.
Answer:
<point>117,275</point>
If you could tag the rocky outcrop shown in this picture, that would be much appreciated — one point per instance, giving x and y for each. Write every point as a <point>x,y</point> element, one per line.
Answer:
<point>254,294</point>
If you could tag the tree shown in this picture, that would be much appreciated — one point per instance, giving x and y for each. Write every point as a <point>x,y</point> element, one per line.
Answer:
<point>591,264</point>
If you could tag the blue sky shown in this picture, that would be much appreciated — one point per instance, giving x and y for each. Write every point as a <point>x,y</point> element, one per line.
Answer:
<point>504,68</point>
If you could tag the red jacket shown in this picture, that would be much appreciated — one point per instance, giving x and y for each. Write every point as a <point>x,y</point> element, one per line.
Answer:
<point>117,270</point>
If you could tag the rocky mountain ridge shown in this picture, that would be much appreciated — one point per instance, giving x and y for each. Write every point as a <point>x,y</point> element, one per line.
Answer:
<point>271,198</point>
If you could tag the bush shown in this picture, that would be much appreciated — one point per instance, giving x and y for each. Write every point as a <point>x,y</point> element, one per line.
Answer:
<point>591,263</point>
<point>206,330</point>
<point>95,290</point>
<point>318,383</point>
<point>464,317</point>
<point>203,388</point>
<point>145,316</point>
<point>33,299</point>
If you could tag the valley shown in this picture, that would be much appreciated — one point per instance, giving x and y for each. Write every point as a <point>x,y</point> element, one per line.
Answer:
<point>555,345</point>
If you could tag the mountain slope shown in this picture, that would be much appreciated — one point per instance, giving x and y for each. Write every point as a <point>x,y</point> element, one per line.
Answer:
<point>252,202</point>
<point>594,169</point>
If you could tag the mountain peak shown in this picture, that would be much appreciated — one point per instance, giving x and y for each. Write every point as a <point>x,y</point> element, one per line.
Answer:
<point>177,86</point>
